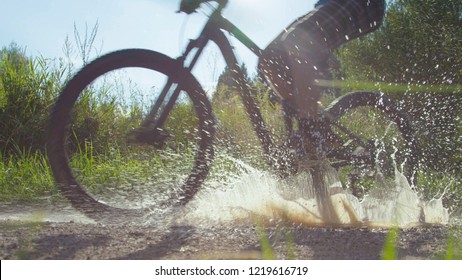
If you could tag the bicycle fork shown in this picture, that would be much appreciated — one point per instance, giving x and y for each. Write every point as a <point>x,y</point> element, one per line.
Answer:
<point>151,130</point>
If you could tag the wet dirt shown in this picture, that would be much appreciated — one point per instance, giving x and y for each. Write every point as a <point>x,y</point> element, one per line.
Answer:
<point>76,240</point>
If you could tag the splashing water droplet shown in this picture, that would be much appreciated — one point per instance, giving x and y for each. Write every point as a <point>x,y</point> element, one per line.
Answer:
<point>260,195</point>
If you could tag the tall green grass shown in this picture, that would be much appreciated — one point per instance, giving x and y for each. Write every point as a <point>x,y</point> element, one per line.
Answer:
<point>27,90</point>
<point>26,176</point>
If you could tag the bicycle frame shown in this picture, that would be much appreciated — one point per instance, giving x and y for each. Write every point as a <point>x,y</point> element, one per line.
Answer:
<point>214,30</point>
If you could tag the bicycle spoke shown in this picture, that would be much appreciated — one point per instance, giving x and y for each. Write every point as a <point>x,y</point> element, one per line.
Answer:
<point>95,169</point>
<point>376,139</point>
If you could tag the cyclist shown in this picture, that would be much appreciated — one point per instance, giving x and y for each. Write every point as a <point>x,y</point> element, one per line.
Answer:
<point>299,55</point>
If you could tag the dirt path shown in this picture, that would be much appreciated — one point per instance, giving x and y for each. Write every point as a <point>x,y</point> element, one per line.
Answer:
<point>75,240</point>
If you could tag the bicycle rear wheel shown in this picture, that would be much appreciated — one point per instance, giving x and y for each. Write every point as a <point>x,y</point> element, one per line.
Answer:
<point>374,139</point>
<point>94,167</point>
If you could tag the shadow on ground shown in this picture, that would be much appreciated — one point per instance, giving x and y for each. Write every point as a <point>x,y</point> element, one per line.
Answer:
<point>98,241</point>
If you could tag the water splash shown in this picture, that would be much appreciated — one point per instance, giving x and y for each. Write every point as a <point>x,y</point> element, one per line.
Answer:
<point>260,196</point>
<point>239,193</point>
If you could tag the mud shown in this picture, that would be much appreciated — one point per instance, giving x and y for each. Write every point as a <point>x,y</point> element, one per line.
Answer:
<point>75,240</point>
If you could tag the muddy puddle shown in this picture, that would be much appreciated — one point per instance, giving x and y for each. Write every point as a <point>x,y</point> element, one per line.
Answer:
<point>260,197</point>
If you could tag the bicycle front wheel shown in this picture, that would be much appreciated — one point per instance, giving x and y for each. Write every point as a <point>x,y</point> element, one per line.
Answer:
<point>94,164</point>
<point>374,139</point>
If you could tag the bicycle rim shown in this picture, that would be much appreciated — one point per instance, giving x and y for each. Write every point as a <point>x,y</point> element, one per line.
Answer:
<point>375,139</point>
<point>96,170</point>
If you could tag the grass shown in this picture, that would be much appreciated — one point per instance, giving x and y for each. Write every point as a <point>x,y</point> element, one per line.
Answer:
<point>26,177</point>
<point>389,250</point>
<point>454,244</point>
<point>266,246</point>
<point>453,247</point>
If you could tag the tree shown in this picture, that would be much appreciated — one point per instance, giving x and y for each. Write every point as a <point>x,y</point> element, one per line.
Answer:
<point>420,43</point>
<point>227,85</point>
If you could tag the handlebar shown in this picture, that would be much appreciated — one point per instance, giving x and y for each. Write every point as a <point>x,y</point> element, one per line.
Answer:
<point>190,6</point>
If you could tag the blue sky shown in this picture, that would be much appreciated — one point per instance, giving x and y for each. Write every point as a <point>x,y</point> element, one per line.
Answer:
<point>42,26</point>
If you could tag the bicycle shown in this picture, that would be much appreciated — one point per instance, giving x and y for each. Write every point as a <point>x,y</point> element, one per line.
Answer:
<point>351,153</point>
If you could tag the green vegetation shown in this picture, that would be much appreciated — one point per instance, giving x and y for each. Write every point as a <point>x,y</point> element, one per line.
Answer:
<point>454,245</point>
<point>453,248</point>
<point>25,177</point>
<point>389,250</point>
<point>421,70</point>
<point>27,89</point>
<point>416,57</point>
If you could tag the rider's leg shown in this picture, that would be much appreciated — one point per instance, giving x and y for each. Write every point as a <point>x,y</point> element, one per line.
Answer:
<point>343,20</point>
<point>298,56</point>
